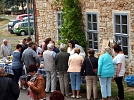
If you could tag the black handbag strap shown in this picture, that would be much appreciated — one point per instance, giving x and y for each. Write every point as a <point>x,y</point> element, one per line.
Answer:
<point>90,63</point>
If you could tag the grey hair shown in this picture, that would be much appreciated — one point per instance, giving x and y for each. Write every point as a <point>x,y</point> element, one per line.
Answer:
<point>50,46</point>
<point>62,47</point>
<point>4,40</point>
<point>2,71</point>
<point>107,49</point>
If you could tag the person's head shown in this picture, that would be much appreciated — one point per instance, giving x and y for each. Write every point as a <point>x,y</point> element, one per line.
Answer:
<point>40,54</point>
<point>28,39</point>
<point>71,44</point>
<point>47,40</point>
<point>76,42</point>
<point>52,42</point>
<point>117,48</point>
<point>5,42</point>
<point>19,46</point>
<point>91,52</point>
<point>77,50</point>
<point>56,95</point>
<point>24,41</point>
<point>107,49</point>
<point>50,47</point>
<point>32,69</point>
<point>31,45</point>
<point>2,71</point>
<point>62,47</point>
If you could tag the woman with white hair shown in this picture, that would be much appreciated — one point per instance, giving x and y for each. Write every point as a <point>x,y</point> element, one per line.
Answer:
<point>105,73</point>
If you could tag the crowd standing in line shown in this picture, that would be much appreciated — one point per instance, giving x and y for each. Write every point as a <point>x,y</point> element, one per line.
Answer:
<point>47,63</point>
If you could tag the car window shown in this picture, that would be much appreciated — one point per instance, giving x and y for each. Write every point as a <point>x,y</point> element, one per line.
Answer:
<point>10,23</point>
<point>25,24</point>
<point>24,16</point>
<point>16,25</point>
<point>31,24</point>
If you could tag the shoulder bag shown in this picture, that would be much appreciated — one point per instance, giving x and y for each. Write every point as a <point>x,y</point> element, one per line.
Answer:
<point>95,70</point>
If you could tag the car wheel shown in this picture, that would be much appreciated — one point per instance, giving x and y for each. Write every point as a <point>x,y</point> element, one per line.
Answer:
<point>22,33</point>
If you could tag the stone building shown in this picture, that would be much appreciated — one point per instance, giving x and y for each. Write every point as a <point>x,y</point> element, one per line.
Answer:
<point>102,19</point>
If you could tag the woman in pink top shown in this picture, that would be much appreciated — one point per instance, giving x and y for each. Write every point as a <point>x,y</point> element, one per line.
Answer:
<point>75,63</point>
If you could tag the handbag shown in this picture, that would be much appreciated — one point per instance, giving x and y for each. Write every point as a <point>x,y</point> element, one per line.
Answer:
<point>95,70</point>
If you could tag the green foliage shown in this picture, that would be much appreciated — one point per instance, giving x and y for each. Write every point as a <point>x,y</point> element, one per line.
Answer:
<point>72,27</point>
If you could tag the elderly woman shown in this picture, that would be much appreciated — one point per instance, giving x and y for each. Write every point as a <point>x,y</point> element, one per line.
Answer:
<point>90,63</point>
<point>119,65</point>
<point>75,63</point>
<point>105,73</point>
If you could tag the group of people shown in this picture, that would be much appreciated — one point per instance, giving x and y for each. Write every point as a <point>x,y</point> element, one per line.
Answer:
<point>47,63</point>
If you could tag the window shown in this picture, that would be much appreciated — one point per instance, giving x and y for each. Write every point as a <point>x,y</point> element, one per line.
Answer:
<point>92,30</point>
<point>59,24</point>
<point>25,25</point>
<point>121,31</point>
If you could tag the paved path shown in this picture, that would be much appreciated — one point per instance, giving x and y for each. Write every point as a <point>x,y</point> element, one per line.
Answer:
<point>24,96</point>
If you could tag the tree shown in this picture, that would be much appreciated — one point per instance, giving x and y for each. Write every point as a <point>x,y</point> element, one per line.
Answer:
<point>72,27</point>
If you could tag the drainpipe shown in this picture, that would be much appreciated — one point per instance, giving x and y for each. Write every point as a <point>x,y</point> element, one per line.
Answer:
<point>34,21</point>
<point>29,33</point>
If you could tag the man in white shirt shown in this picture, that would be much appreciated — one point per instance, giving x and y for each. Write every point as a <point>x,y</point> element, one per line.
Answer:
<point>6,49</point>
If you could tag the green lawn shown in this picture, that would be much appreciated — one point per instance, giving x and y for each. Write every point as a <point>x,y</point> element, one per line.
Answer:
<point>4,21</point>
<point>128,91</point>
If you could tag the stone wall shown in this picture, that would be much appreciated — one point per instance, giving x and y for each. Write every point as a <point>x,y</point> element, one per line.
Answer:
<point>46,20</point>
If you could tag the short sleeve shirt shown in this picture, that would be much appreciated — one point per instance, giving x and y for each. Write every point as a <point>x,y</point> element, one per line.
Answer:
<point>120,58</point>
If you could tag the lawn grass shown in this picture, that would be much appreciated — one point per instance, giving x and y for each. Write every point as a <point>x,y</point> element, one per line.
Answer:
<point>128,91</point>
<point>4,21</point>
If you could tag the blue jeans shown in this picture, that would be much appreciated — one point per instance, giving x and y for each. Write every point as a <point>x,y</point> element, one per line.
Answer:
<point>105,84</point>
<point>75,78</point>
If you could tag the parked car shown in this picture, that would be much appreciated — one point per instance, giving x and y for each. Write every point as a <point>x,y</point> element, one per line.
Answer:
<point>26,19</point>
<point>21,28</point>
<point>11,25</point>
<point>20,17</point>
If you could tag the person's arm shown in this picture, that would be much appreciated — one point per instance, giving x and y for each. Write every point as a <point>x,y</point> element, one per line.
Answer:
<point>36,58</point>
<point>1,55</point>
<point>53,55</point>
<point>43,46</point>
<point>14,88</point>
<point>39,86</point>
<point>100,64</point>
<point>56,59</point>
<point>83,67</point>
<point>69,61</point>
<point>11,51</point>
<point>118,69</point>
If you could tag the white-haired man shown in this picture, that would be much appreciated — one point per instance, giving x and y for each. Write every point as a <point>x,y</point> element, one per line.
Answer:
<point>49,62</point>
<point>6,49</point>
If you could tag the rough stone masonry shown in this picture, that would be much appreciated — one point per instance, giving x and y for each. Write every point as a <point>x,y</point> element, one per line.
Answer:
<point>46,21</point>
